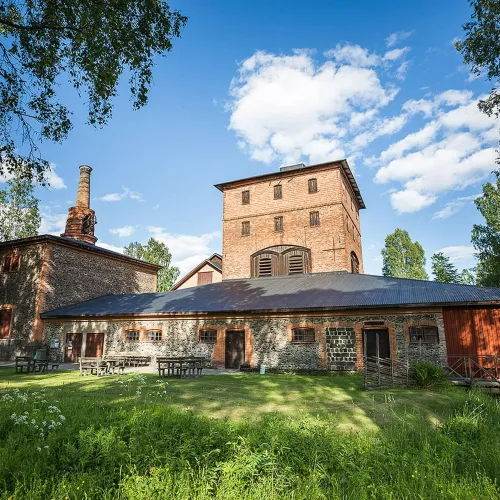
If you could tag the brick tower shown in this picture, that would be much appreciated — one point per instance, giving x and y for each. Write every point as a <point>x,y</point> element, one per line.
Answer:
<point>298,220</point>
<point>81,218</point>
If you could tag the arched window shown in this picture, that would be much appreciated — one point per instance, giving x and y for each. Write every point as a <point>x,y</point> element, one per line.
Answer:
<point>354,263</point>
<point>281,260</point>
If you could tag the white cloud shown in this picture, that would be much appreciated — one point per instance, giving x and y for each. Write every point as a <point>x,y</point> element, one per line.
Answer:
<point>353,55</point>
<point>292,108</point>
<point>189,263</point>
<point>454,206</point>
<point>398,36</point>
<point>458,253</point>
<point>401,71</point>
<point>123,232</point>
<point>52,223</point>
<point>452,151</point>
<point>107,246</point>
<point>54,180</point>
<point>393,55</point>
<point>126,193</point>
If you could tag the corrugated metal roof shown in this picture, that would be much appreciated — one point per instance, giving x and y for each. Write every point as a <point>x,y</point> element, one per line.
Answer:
<point>336,290</point>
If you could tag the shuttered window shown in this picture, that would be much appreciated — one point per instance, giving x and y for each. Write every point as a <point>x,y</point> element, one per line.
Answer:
<point>278,223</point>
<point>278,192</point>
<point>245,197</point>
<point>296,264</point>
<point>312,185</point>
<point>208,335</point>
<point>314,218</point>
<point>245,228</point>
<point>205,277</point>
<point>154,335</point>
<point>424,334</point>
<point>303,335</point>
<point>5,320</point>
<point>265,266</point>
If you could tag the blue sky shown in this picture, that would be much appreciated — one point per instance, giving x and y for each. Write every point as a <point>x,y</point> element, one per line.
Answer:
<point>253,85</point>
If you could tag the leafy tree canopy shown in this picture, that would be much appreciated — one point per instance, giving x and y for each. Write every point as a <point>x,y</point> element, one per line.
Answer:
<point>156,252</point>
<point>19,214</point>
<point>89,43</point>
<point>402,257</point>
<point>486,237</point>
<point>443,270</point>
<point>468,277</point>
<point>481,48</point>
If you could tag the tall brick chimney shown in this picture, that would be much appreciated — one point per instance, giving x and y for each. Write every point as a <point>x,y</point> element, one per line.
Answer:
<point>81,218</point>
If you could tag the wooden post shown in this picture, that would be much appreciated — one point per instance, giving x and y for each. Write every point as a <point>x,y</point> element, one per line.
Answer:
<point>378,357</point>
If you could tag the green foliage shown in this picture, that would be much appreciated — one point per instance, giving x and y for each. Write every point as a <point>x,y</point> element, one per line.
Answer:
<point>402,257</point>
<point>156,252</point>
<point>114,443</point>
<point>19,214</point>
<point>468,277</point>
<point>443,270</point>
<point>481,48</point>
<point>90,44</point>
<point>486,238</point>
<point>429,375</point>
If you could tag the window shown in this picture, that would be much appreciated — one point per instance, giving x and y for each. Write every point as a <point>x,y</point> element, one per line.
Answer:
<point>5,320</point>
<point>205,277</point>
<point>314,218</point>
<point>296,264</point>
<point>313,186</point>
<point>245,197</point>
<point>265,266</point>
<point>132,335</point>
<point>154,335</point>
<point>303,335</point>
<point>278,192</point>
<point>208,335</point>
<point>278,223</point>
<point>11,263</point>
<point>245,228</point>
<point>424,334</point>
<point>354,263</point>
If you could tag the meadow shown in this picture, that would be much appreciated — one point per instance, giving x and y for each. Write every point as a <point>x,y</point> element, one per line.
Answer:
<point>242,436</point>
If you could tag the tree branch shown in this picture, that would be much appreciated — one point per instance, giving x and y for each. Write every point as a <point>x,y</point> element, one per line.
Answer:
<point>36,27</point>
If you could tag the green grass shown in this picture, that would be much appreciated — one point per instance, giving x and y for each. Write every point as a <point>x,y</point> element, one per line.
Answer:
<point>242,436</point>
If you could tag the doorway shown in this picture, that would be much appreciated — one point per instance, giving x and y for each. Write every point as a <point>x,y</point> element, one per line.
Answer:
<point>235,348</point>
<point>73,349</point>
<point>94,345</point>
<point>376,344</point>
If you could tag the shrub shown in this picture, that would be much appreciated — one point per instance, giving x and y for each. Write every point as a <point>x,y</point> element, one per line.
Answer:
<point>429,375</point>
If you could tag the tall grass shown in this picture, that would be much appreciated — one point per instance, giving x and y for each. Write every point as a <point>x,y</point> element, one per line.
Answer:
<point>65,445</point>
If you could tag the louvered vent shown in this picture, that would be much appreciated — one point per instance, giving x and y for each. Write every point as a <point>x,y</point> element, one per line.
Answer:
<point>296,264</point>
<point>265,266</point>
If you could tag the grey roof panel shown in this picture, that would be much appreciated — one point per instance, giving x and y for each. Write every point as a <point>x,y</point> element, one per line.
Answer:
<point>336,290</point>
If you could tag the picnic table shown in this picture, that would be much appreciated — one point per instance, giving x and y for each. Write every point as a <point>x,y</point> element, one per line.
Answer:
<point>129,359</point>
<point>93,366</point>
<point>181,366</point>
<point>37,363</point>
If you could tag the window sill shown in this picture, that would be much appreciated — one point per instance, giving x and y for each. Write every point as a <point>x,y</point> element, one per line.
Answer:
<point>423,343</point>
<point>303,341</point>
<point>208,341</point>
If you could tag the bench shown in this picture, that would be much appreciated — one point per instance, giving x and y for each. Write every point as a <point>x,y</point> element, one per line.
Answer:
<point>115,364</point>
<point>92,366</point>
<point>24,362</point>
<point>180,367</point>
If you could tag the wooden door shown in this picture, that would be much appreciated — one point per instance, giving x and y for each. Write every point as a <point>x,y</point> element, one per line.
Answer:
<point>376,343</point>
<point>95,345</point>
<point>73,348</point>
<point>235,348</point>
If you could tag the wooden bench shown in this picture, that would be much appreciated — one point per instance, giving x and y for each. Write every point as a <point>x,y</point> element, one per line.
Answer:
<point>180,367</point>
<point>115,364</point>
<point>24,362</point>
<point>92,366</point>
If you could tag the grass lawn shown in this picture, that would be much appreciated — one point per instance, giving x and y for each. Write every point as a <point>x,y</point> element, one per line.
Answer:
<point>242,436</point>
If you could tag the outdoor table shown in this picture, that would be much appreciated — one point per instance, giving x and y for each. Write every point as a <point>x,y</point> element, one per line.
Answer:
<point>180,366</point>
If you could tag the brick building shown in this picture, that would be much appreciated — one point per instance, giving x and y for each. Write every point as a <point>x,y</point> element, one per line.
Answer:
<point>293,293</point>
<point>46,272</point>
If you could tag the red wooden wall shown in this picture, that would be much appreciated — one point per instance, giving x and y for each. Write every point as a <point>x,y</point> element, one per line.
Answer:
<point>472,330</point>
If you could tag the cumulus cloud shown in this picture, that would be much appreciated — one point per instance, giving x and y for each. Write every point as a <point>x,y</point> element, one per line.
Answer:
<point>54,180</point>
<point>294,108</point>
<point>453,150</point>
<point>123,232</point>
<point>52,223</point>
<point>458,253</point>
<point>126,193</point>
<point>393,55</point>
<point>398,36</point>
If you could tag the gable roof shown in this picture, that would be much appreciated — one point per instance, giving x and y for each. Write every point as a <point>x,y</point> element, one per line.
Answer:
<point>297,171</point>
<point>80,245</point>
<point>309,292</point>
<point>214,264</point>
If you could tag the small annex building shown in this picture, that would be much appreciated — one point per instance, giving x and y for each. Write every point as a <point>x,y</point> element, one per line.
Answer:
<point>207,271</point>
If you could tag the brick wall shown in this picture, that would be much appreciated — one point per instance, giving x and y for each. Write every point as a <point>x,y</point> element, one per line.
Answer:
<point>337,346</point>
<point>331,242</point>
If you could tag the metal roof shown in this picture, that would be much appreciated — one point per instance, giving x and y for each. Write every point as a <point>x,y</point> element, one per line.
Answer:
<point>322,291</point>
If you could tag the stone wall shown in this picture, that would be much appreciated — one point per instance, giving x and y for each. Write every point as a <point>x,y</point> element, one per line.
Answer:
<point>337,346</point>
<point>19,291</point>
<point>77,275</point>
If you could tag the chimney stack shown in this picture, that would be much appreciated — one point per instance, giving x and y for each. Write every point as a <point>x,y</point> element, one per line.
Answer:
<point>81,218</point>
